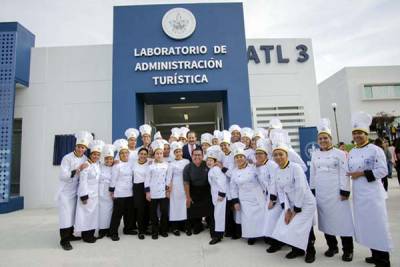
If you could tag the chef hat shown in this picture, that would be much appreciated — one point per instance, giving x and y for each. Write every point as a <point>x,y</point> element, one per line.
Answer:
<point>108,150</point>
<point>121,144</point>
<point>206,138</point>
<point>96,146</point>
<point>234,127</point>
<point>324,126</point>
<point>280,139</point>
<point>214,152</point>
<point>145,129</point>
<point>225,137</point>
<point>131,133</point>
<point>176,145</point>
<point>361,121</point>
<point>165,142</point>
<point>183,132</point>
<point>247,132</point>
<point>157,144</point>
<point>275,123</point>
<point>83,138</point>
<point>238,149</point>
<point>157,135</point>
<point>262,145</point>
<point>216,134</point>
<point>260,132</point>
<point>175,132</point>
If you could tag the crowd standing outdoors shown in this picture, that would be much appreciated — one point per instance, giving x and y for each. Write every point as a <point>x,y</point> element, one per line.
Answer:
<point>240,183</point>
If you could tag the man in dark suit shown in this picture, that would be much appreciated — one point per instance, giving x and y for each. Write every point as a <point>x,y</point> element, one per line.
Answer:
<point>190,146</point>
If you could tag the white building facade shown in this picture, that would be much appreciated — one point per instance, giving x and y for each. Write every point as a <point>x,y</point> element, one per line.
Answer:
<point>375,90</point>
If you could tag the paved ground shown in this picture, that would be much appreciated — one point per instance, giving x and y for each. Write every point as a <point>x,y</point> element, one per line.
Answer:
<point>30,238</point>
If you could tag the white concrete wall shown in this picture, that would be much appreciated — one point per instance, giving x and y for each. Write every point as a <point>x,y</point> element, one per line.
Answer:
<point>346,89</point>
<point>70,90</point>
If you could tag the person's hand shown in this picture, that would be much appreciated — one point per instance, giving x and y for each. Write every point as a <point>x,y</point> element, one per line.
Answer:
<point>188,202</point>
<point>148,196</point>
<point>83,166</point>
<point>271,205</point>
<point>343,198</point>
<point>288,216</point>
<point>112,195</point>
<point>237,206</point>
<point>220,199</point>
<point>167,194</point>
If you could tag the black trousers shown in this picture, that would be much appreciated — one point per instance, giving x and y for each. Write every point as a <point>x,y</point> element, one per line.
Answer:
<point>179,225</point>
<point>385,183</point>
<point>156,224</point>
<point>142,207</point>
<point>123,208</point>
<point>88,235</point>
<point>347,243</point>
<point>229,221</point>
<point>66,234</point>
<point>310,246</point>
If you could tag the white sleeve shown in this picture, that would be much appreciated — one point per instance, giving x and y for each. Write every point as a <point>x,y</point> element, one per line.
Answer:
<point>312,173</point>
<point>300,184</point>
<point>114,176</point>
<point>170,172</point>
<point>221,180</point>
<point>83,183</point>
<point>294,157</point>
<point>344,180</point>
<point>65,170</point>
<point>147,180</point>
<point>379,168</point>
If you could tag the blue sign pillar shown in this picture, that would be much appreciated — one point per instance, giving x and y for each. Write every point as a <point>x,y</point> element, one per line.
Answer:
<point>162,53</point>
<point>308,143</point>
<point>15,49</point>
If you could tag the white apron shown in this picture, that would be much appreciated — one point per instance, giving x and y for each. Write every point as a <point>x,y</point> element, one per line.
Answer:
<point>293,190</point>
<point>177,200</point>
<point>369,204</point>
<point>218,184</point>
<point>265,176</point>
<point>87,215</point>
<point>105,200</point>
<point>328,177</point>
<point>66,194</point>
<point>246,188</point>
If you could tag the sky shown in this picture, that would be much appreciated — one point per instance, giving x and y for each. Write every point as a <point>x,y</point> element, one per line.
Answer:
<point>344,32</point>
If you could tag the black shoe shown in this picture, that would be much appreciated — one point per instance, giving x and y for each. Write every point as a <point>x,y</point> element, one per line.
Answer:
<point>215,240</point>
<point>273,248</point>
<point>331,252</point>
<point>75,238</point>
<point>176,232</point>
<point>90,239</point>
<point>188,232</point>
<point>294,254</point>
<point>141,236</point>
<point>66,245</point>
<point>101,235</point>
<point>382,263</point>
<point>370,260</point>
<point>197,231</point>
<point>234,237</point>
<point>251,241</point>
<point>310,257</point>
<point>114,237</point>
<point>164,234</point>
<point>154,236</point>
<point>130,232</point>
<point>228,235</point>
<point>347,256</point>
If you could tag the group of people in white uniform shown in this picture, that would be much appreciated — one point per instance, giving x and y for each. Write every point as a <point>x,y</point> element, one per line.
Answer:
<point>246,183</point>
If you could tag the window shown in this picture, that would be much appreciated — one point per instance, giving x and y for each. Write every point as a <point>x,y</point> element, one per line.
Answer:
<point>389,91</point>
<point>64,144</point>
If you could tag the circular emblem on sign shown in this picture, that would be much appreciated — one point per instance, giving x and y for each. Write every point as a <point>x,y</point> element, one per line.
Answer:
<point>179,23</point>
<point>310,148</point>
